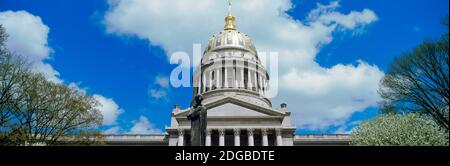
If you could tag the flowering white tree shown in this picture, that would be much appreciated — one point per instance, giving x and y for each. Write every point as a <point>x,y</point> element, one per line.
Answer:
<point>411,129</point>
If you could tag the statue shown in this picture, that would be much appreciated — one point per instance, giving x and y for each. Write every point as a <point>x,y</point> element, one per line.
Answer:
<point>197,116</point>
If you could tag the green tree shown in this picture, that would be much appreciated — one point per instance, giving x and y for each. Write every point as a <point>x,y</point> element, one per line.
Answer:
<point>34,110</point>
<point>11,77</point>
<point>411,129</point>
<point>418,81</point>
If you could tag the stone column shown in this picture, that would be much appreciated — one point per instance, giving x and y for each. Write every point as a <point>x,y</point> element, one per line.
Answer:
<point>265,140</point>
<point>204,82</point>
<point>251,141</point>
<point>256,82</point>
<point>249,77</point>
<point>267,85</point>
<point>237,137</point>
<point>236,83</point>
<point>208,137</point>
<point>221,137</point>
<point>210,80</point>
<point>218,79</point>
<point>279,137</point>
<point>259,84</point>
<point>180,137</point>
<point>242,78</point>
<point>226,78</point>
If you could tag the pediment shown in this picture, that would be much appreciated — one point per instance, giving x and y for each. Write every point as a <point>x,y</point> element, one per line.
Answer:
<point>232,107</point>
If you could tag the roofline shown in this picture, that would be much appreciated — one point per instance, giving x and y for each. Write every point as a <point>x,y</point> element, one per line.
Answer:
<point>234,100</point>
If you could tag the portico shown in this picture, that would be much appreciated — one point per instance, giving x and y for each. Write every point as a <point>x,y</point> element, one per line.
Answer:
<point>238,137</point>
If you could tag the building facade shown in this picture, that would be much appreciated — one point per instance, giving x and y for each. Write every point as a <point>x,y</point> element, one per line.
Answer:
<point>163,140</point>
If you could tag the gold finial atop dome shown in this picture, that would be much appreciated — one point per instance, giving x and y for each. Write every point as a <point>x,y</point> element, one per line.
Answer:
<point>230,19</point>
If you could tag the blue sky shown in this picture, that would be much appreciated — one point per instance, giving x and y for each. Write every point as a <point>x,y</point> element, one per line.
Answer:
<point>124,67</point>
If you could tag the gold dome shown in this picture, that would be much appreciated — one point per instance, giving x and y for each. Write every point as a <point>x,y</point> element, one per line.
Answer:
<point>230,37</point>
<point>229,20</point>
<point>230,23</point>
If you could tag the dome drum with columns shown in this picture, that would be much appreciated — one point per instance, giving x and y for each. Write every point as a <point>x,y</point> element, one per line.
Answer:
<point>234,85</point>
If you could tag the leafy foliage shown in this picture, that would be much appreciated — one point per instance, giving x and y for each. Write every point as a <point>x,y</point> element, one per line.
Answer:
<point>412,129</point>
<point>35,111</point>
<point>418,81</point>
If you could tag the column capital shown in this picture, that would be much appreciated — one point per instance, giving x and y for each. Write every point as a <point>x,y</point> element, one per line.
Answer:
<point>221,132</point>
<point>237,131</point>
<point>208,131</point>
<point>250,131</point>
<point>278,131</point>
<point>180,131</point>
<point>264,131</point>
<point>265,141</point>
<point>221,137</point>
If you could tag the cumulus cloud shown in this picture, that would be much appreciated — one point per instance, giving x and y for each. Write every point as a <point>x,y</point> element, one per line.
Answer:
<point>327,14</point>
<point>318,97</point>
<point>28,38</point>
<point>329,96</point>
<point>107,106</point>
<point>348,128</point>
<point>112,130</point>
<point>158,94</point>
<point>140,126</point>
<point>160,88</point>
<point>162,81</point>
<point>110,110</point>
<point>143,126</point>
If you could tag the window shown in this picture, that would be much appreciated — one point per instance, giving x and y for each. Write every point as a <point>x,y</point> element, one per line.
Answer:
<point>245,74</point>
<point>223,73</point>
<point>218,42</point>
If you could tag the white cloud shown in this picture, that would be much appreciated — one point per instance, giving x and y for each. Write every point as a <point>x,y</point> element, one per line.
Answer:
<point>329,96</point>
<point>327,14</point>
<point>112,130</point>
<point>162,81</point>
<point>109,109</point>
<point>348,128</point>
<point>318,96</point>
<point>107,106</point>
<point>140,126</point>
<point>160,88</point>
<point>28,38</point>
<point>158,94</point>
<point>143,126</point>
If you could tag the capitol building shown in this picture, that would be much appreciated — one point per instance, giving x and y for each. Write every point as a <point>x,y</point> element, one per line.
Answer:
<point>234,85</point>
